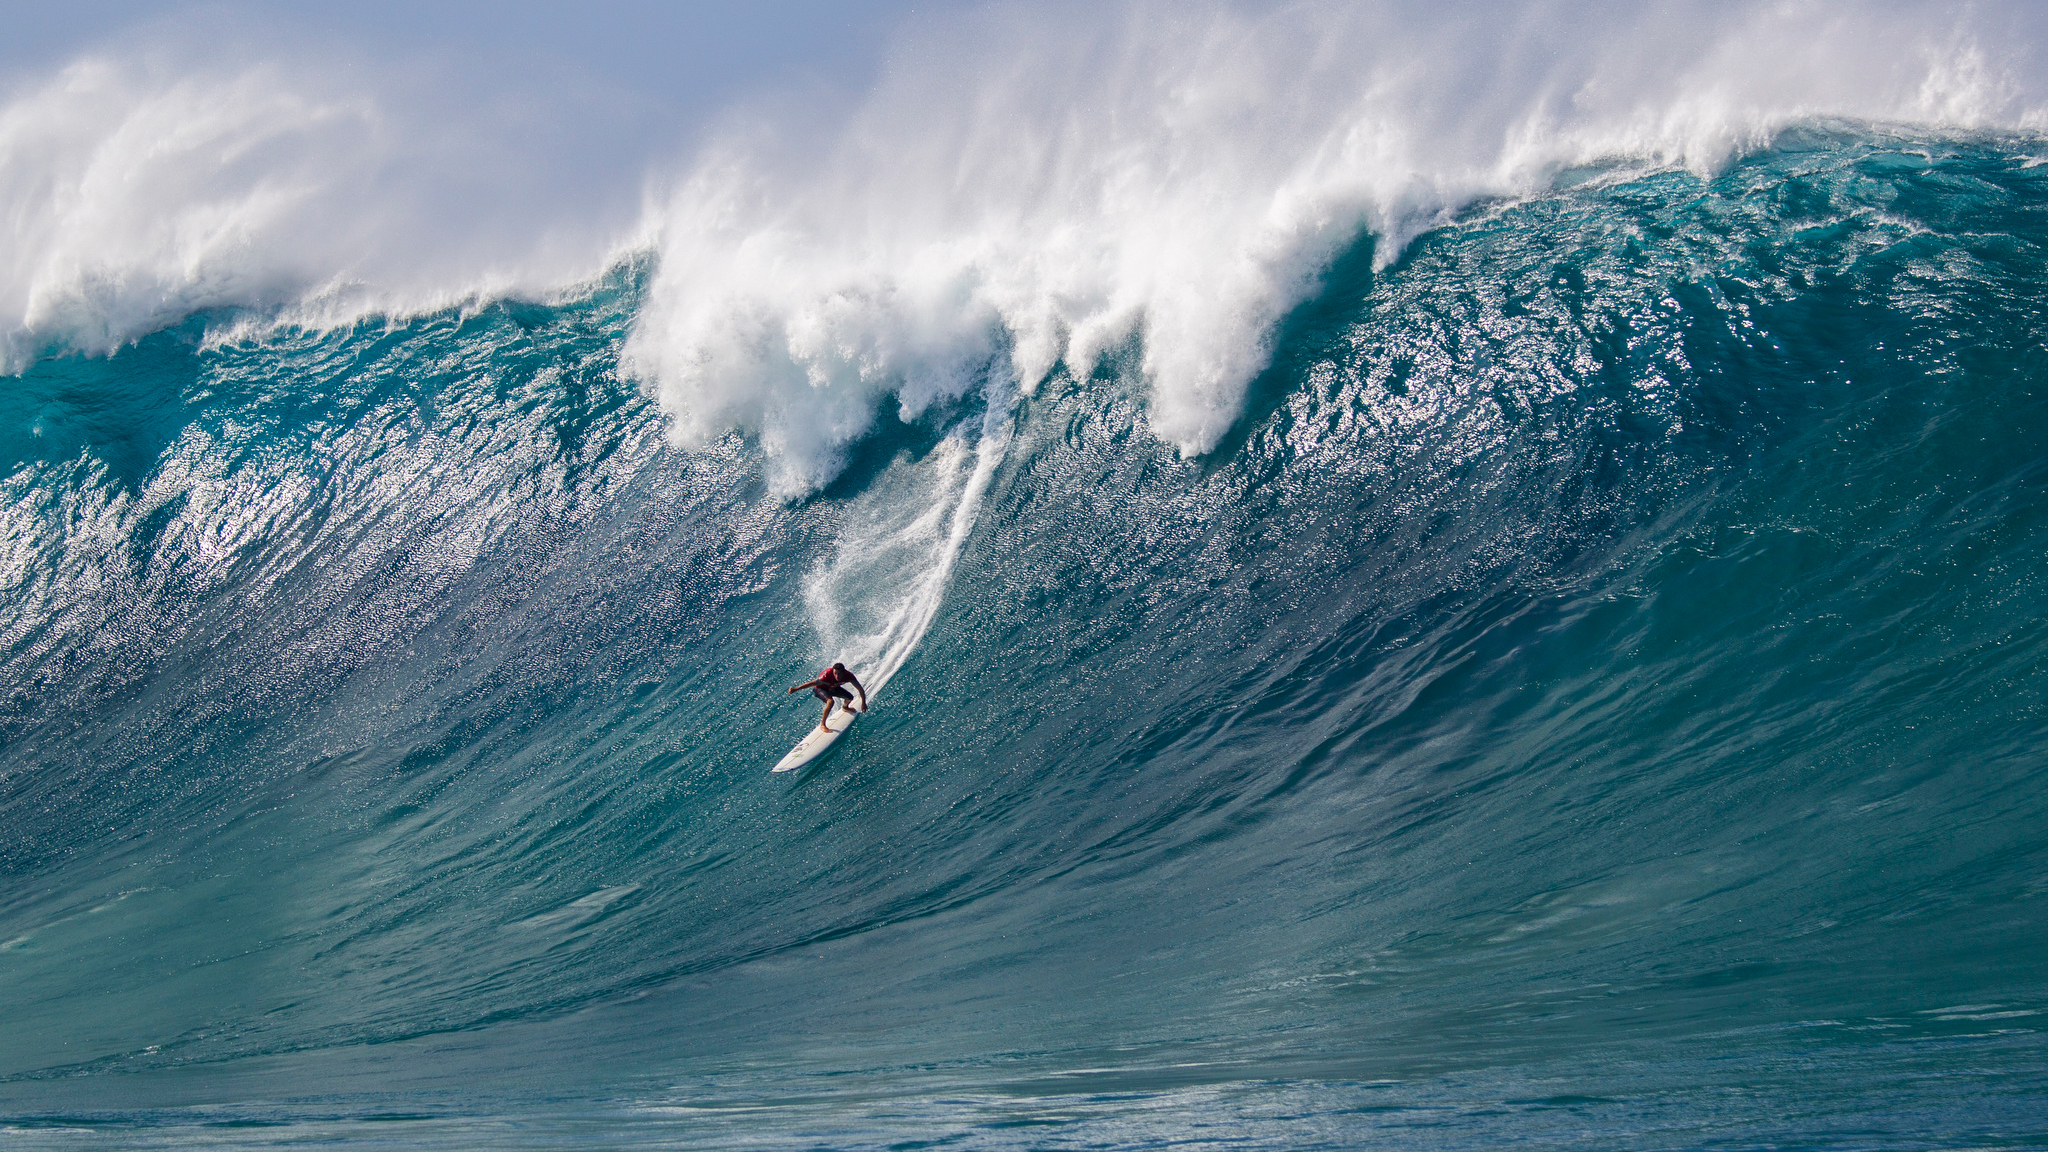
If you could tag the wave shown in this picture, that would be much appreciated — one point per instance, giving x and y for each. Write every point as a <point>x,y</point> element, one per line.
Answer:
<point>1606,620</point>
<point>1591,673</point>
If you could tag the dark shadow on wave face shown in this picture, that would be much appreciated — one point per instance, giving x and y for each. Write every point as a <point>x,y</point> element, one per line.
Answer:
<point>123,410</point>
<point>892,438</point>
<point>1312,332</point>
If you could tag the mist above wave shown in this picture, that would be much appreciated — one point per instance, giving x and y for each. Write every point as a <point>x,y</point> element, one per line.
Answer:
<point>137,189</point>
<point>1026,188</point>
<point>1043,186</point>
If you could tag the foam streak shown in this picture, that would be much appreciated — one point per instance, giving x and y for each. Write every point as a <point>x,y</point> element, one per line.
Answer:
<point>892,564</point>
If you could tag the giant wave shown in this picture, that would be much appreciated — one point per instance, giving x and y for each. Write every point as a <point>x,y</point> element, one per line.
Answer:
<point>1427,581</point>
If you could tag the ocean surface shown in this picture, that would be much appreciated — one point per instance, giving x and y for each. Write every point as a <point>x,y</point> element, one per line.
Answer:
<point>1585,685</point>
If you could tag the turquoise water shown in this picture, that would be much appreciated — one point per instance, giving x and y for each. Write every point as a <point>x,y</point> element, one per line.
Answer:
<point>1593,698</point>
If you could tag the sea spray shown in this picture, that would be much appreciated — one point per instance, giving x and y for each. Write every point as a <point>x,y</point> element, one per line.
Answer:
<point>1046,190</point>
<point>139,188</point>
<point>1183,175</point>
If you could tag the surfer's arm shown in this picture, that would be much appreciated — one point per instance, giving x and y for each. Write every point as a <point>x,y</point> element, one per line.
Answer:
<point>814,684</point>
<point>857,686</point>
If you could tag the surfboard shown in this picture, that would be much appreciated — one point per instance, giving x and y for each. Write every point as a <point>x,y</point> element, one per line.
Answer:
<point>815,742</point>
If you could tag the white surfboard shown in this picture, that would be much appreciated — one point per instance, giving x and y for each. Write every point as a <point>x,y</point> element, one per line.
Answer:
<point>815,742</point>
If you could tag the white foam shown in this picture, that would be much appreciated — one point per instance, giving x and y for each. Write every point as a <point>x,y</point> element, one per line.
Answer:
<point>135,192</point>
<point>1044,184</point>
<point>1033,186</point>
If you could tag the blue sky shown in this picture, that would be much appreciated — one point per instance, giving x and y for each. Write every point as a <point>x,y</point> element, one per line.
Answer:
<point>681,58</point>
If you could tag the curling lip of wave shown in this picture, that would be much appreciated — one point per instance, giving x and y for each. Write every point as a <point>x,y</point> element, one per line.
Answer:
<point>1011,199</point>
<point>1184,178</point>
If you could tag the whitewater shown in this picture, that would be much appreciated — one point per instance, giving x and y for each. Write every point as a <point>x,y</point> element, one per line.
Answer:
<point>1431,575</point>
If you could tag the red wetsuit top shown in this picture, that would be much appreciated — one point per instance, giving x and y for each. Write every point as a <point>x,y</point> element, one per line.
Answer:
<point>833,677</point>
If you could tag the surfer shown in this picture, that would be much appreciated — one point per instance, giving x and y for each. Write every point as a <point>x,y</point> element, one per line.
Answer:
<point>827,687</point>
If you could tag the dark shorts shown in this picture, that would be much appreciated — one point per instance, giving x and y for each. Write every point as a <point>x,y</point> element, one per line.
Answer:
<point>824,693</point>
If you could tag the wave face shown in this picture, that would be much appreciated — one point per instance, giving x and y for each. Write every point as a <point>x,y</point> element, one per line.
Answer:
<point>1584,692</point>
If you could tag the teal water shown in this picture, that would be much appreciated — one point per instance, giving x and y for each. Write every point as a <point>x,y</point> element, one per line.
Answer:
<point>1593,698</point>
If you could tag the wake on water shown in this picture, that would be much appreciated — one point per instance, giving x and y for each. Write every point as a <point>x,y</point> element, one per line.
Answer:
<point>1514,549</point>
<point>880,591</point>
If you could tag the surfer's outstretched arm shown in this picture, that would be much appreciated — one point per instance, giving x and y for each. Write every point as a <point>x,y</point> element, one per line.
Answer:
<point>810,684</point>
